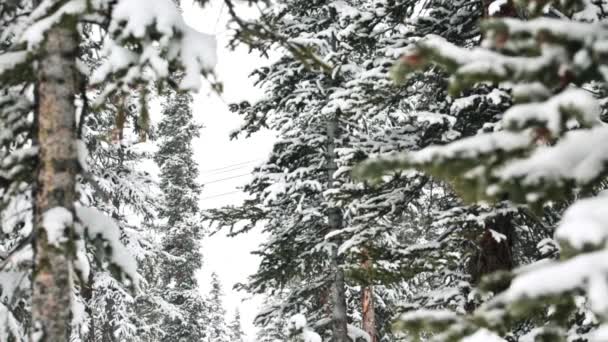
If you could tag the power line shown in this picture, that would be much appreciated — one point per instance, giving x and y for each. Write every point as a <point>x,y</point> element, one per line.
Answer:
<point>227,178</point>
<point>219,15</point>
<point>220,195</point>
<point>231,165</point>
<point>219,172</point>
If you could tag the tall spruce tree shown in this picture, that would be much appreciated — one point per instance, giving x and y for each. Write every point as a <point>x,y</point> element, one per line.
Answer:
<point>217,329</point>
<point>333,104</point>
<point>181,227</point>
<point>236,330</point>
<point>325,101</point>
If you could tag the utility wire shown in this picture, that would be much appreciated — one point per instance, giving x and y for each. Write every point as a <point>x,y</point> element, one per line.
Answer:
<point>220,195</point>
<point>227,178</point>
<point>231,165</point>
<point>219,15</point>
<point>220,172</point>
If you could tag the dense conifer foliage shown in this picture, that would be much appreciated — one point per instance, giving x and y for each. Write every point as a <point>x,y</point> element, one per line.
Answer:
<point>438,174</point>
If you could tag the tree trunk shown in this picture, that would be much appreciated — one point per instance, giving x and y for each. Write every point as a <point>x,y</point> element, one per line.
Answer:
<point>368,312</point>
<point>334,216</point>
<point>495,249</point>
<point>56,179</point>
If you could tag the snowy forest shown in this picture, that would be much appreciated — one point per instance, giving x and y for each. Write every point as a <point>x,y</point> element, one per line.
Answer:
<point>439,171</point>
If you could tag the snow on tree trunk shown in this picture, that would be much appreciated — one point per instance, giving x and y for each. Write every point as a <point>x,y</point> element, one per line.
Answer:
<point>334,216</point>
<point>499,8</point>
<point>55,193</point>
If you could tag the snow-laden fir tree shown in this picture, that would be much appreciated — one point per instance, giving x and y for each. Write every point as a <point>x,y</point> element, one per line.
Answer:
<point>236,329</point>
<point>542,152</point>
<point>42,78</point>
<point>217,328</point>
<point>122,188</point>
<point>330,120</point>
<point>181,226</point>
<point>274,328</point>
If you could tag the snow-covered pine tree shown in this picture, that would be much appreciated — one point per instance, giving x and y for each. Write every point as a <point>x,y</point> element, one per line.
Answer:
<point>119,186</point>
<point>357,40</point>
<point>541,153</point>
<point>181,226</point>
<point>217,329</point>
<point>236,329</point>
<point>41,78</point>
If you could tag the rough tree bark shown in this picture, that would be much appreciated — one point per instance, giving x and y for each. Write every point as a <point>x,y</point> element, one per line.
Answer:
<point>368,311</point>
<point>56,179</point>
<point>334,216</point>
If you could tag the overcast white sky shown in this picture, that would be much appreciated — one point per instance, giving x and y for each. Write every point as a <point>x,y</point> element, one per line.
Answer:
<point>229,257</point>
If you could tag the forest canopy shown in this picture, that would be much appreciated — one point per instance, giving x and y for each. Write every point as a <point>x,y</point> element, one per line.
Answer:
<point>438,173</point>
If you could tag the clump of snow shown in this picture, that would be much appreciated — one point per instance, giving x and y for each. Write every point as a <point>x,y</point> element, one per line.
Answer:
<point>425,314</point>
<point>34,34</point>
<point>297,324</point>
<point>571,158</point>
<point>83,154</point>
<point>55,221</point>
<point>134,19</point>
<point>298,321</point>
<point>355,334</point>
<point>274,191</point>
<point>553,112</point>
<point>585,223</point>
<point>498,237</point>
<point>473,147</point>
<point>599,335</point>
<point>496,6</point>
<point>97,224</point>
<point>549,279</point>
<point>483,335</point>
<point>8,60</point>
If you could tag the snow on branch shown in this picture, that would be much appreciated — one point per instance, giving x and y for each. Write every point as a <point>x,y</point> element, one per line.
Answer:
<point>470,66</point>
<point>164,38</point>
<point>483,335</point>
<point>10,327</point>
<point>97,224</point>
<point>10,62</point>
<point>468,149</point>
<point>570,159</point>
<point>297,325</point>
<point>145,41</point>
<point>556,113</point>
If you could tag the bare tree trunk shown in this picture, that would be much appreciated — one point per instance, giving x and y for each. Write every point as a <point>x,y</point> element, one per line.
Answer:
<point>58,166</point>
<point>334,215</point>
<point>495,247</point>
<point>368,311</point>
